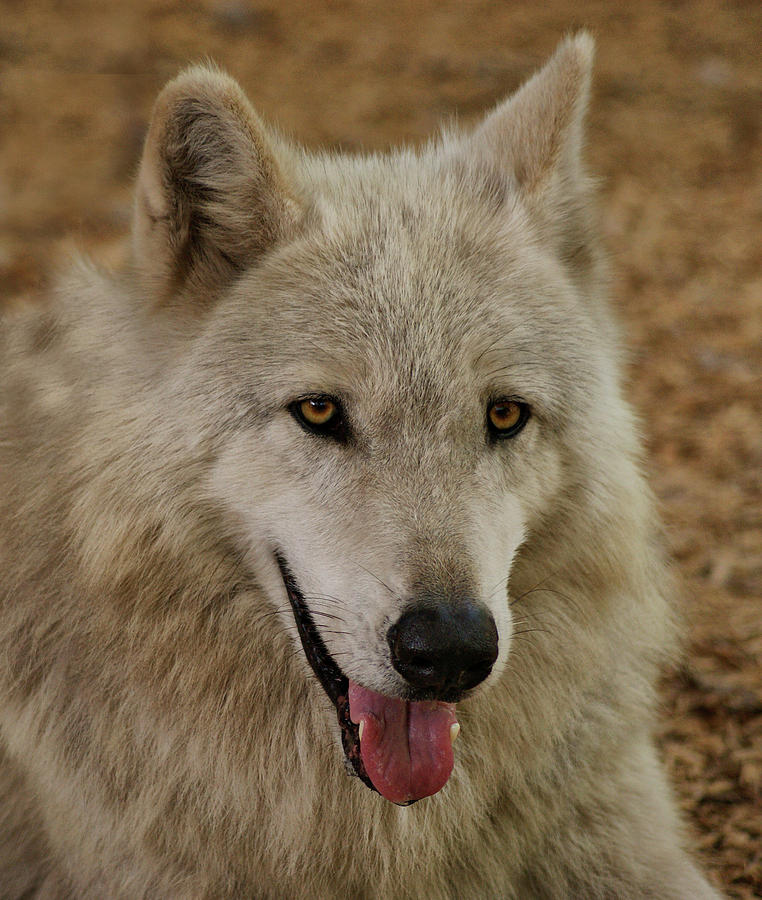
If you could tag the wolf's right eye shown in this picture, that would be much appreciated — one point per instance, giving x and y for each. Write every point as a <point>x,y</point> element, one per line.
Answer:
<point>321,415</point>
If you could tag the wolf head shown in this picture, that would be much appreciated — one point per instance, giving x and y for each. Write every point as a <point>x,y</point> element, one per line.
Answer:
<point>387,361</point>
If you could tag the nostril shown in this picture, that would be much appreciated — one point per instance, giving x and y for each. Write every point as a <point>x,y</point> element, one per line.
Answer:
<point>420,662</point>
<point>475,675</point>
<point>418,668</point>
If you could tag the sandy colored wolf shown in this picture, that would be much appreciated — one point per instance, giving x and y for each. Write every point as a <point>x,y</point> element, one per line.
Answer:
<point>338,467</point>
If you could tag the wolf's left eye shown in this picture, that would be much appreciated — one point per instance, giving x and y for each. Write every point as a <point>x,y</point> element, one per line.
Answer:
<point>321,415</point>
<point>506,418</point>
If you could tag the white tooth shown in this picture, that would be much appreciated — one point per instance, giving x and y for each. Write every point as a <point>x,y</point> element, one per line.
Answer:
<point>454,731</point>
<point>362,727</point>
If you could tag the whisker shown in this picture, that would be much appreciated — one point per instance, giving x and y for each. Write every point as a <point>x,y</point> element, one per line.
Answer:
<point>502,585</point>
<point>327,615</point>
<point>519,675</point>
<point>373,575</point>
<point>322,597</point>
<point>534,587</point>
<point>544,590</point>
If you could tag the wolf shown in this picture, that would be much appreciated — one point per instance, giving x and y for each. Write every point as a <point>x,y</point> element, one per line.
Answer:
<point>337,469</point>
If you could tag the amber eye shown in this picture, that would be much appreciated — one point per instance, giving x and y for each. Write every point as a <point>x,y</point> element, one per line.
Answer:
<point>321,415</point>
<point>505,418</point>
<point>317,411</point>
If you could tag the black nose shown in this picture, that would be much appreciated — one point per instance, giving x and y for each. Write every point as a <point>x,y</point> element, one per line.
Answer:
<point>444,649</point>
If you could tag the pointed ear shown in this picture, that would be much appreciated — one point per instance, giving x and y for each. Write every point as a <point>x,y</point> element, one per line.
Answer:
<point>210,196</point>
<point>535,137</point>
<point>537,133</point>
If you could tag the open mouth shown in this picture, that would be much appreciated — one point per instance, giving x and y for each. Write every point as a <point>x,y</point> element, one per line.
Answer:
<point>335,683</point>
<point>401,749</point>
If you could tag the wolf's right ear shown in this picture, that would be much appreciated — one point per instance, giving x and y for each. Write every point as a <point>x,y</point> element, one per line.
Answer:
<point>210,196</point>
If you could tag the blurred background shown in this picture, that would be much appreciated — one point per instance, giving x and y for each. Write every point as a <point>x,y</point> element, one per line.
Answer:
<point>676,136</point>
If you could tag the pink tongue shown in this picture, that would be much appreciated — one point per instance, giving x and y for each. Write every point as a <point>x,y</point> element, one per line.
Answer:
<point>405,746</point>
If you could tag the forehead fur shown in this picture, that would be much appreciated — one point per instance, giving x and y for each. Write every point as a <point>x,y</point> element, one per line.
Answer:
<point>425,268</point>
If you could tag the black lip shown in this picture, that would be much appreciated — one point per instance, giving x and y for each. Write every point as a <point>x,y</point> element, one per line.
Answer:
<point>334,682</point>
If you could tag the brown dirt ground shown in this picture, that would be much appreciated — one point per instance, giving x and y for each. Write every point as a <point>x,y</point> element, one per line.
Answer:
<point>675,134</point>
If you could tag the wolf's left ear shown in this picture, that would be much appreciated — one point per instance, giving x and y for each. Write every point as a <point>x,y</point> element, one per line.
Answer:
<point>536,136</point>
<point>537,133</point>
<point>210,196</point>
